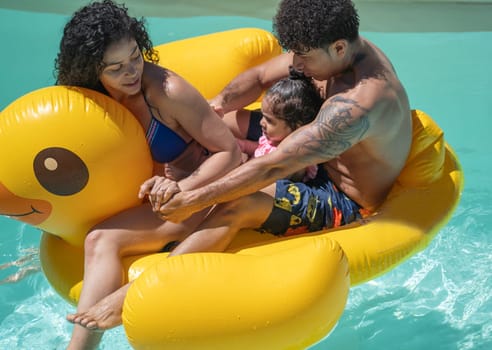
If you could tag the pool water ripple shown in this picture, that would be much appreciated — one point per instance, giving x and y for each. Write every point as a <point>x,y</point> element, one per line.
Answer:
<point>440,299</point>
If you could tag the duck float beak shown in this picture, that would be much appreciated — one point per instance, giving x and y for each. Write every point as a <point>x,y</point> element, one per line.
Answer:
<point>30,211</point>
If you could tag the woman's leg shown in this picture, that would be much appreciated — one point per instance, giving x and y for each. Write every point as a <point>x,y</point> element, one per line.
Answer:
<point>135,231</point>
<point>220,227</point>
<point>214,234</point>
<point>238,122</point>
<point>106,313</point>
<point>245,126</point>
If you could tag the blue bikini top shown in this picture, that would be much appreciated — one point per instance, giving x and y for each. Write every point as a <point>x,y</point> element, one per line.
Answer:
<point>165,145</point>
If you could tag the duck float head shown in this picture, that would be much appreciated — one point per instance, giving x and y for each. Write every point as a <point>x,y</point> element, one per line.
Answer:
<point>71,157</point>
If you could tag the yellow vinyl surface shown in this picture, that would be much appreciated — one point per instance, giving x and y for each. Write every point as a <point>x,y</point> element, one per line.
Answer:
<point>265,292</point>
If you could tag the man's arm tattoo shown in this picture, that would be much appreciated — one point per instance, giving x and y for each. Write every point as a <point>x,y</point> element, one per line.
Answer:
<point>336,130</point>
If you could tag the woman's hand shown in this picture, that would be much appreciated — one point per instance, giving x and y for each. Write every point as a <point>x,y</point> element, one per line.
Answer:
<point>159,190</point>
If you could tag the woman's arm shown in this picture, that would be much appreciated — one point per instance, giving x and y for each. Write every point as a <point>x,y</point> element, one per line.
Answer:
<point>193,115</point>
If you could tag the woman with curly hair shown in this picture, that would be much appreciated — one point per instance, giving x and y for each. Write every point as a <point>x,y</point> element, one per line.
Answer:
<point>105,49</point>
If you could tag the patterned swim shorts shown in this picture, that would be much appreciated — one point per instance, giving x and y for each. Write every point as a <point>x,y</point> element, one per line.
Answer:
<point>307,207</point>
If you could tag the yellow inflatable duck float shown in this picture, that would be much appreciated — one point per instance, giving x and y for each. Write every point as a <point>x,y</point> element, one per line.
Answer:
<point>61,147</point>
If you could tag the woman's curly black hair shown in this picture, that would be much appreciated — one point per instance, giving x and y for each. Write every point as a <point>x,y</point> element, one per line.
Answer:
<point>295,99</point>
<point>86,37</point>
<point>301,25</point>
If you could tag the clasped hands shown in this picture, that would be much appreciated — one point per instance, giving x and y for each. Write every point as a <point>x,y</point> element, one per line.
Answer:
<point>159,190</point>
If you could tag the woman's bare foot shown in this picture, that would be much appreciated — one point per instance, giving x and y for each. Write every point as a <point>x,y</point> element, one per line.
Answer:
<point>105,314</point>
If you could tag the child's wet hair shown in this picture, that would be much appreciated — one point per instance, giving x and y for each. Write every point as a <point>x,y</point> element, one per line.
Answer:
<point>295,99</point>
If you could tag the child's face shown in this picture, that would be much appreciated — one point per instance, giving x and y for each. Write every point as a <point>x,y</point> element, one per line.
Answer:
<point>274,129</point>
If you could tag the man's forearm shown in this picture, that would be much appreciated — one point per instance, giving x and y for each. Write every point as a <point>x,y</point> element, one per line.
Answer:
<point>244,180</point>
<point>248,86</point>
<point>238,94</point>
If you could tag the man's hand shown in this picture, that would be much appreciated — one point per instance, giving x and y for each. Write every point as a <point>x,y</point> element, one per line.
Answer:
<point>218,109</point>
<point>178,208</point>
<point>216,104</point>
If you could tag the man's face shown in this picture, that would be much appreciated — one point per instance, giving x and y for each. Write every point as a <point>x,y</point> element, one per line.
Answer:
<point>319,64</point>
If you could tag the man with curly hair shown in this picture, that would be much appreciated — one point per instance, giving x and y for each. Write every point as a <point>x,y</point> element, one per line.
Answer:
<point>360,138</point>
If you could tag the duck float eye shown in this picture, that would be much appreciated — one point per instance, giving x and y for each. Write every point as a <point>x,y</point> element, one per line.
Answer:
<point>60,171</point>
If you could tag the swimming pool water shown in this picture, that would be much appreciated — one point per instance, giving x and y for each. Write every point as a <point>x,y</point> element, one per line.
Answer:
<point>439,299</point>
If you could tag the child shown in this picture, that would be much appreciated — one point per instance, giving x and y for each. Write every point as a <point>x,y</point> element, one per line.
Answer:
<point>287,105</point>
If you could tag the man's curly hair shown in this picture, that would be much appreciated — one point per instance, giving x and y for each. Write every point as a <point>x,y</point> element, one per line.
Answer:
<point>86,37</point>
<point>295,99</point>
<point>302,25</point>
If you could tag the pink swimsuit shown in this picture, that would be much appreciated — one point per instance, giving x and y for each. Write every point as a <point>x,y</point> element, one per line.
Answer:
<point>265,147</point>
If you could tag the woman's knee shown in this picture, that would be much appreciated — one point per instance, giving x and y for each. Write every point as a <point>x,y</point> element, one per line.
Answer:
<point>98,242</point>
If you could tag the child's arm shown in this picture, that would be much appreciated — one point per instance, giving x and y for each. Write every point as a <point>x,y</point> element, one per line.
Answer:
<point>247,146</point>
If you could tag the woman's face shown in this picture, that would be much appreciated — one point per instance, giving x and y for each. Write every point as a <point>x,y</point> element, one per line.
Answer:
<point>274,129</point>
<point>123,68</point>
